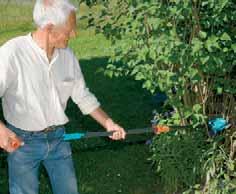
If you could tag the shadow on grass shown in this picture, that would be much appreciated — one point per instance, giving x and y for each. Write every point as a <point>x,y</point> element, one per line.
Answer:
<point>122,98</point>
<point>107,144</point>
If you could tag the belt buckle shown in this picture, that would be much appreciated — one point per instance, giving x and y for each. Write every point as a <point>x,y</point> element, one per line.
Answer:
<point>50,128</point>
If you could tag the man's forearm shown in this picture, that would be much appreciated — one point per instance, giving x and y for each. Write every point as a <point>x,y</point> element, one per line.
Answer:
<point>100,116</point>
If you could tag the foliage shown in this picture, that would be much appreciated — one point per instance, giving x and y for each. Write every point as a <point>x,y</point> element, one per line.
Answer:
<point>219,171</point>
<point>175,166</point>
<point>185,49</point>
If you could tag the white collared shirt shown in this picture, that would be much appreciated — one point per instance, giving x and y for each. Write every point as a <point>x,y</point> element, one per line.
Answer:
<point>35,91</point>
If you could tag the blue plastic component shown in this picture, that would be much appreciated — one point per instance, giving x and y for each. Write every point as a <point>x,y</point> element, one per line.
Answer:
<point>217,125</point>
<point>72,136</point>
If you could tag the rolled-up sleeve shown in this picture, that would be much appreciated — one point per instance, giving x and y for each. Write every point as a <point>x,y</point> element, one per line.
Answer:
<point>6,71</point>
<point>81,95</point>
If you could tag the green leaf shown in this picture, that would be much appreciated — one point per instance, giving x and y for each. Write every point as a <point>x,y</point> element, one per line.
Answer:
<point>139,76</point>
<point>197,45</point>
<point>202,34</point>
<point>233,46</point>
<point>218,60</point>
<point>225,49</point>
<point>108,73</point>
<point>197,108</point>
<point>231,166</point>
<point>219,90</point>
<point>204,59</point>
<point>169,24</point>
<point>147,84</point>
<point>225,37</point>
<point>192,72</point>
<point>212,42</point>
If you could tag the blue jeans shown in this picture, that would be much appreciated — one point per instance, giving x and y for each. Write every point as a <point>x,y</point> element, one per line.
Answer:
<point>49,149</point>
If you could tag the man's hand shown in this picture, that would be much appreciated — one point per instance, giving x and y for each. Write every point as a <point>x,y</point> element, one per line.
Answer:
<point>8,140</point>
<point>119,131</point>
<point>101,117</point>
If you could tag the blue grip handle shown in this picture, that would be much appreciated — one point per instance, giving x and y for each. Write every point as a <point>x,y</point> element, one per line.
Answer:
<point>73,136</point>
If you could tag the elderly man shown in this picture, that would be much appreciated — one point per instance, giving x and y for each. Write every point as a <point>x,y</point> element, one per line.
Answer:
<point>38,75</point>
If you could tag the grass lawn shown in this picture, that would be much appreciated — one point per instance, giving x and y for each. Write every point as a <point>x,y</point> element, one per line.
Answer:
<point>103,166</point>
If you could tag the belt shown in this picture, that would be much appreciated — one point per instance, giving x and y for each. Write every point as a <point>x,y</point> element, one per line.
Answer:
<point>52,128</point>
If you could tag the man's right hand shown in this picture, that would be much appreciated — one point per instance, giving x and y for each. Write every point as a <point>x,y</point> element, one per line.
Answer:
<point>8,139</point>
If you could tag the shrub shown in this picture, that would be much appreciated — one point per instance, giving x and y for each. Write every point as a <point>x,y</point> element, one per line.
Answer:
<point>185,49</point>
<point>177,156</point>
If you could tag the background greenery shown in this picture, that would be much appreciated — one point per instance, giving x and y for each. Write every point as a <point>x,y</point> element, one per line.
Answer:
<point>102,166</point>
<point>185,49</point>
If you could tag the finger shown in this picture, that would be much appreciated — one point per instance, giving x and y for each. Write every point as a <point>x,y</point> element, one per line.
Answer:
<point>5,146</point>
<point>11,134</point>
<point>112,136</point>
<point>116,136</point>
<point>4,143</point>
<point>118,130</point>
<point>123,133</point>
<point>119,135</point>
<point>13,144</point>
<point>9,149</point>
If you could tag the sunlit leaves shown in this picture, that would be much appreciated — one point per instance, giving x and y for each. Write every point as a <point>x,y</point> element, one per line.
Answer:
<point>173,43</point>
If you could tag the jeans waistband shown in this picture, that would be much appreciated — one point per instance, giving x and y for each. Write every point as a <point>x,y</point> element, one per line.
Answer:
<point>47,130</point>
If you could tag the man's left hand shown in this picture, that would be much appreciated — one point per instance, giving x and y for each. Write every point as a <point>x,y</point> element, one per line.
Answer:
<point>119,132</point>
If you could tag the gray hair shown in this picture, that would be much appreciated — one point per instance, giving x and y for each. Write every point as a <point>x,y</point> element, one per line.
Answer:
<point>52,11</point>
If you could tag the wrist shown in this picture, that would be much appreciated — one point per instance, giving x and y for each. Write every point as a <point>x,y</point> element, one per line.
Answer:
<point>108,124</point>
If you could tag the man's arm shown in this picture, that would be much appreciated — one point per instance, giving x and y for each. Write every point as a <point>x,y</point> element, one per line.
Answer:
<point>7,76</point>
<point>88,104</point>
<point>103,119</point>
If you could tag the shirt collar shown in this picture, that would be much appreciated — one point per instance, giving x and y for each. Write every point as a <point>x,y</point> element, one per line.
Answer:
<point>42,52</point>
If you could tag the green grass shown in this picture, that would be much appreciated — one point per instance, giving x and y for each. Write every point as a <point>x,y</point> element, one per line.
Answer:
<point>103,166</point>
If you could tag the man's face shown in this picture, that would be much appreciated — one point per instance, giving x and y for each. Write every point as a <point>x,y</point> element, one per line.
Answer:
<point>60,35</point>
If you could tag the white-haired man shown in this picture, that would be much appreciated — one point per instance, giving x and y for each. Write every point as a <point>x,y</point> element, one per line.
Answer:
<point>38,75</point>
